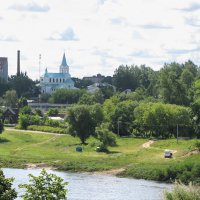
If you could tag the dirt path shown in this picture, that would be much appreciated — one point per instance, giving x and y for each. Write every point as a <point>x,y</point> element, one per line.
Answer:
<point>34,145</point>
<point>148,144</point>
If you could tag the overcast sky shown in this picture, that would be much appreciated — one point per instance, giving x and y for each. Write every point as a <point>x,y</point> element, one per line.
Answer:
<point>98,35</point>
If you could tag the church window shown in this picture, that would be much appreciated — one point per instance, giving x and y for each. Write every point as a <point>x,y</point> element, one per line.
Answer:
<point>60,80</point>
<point>53,79</point>
<point>56,80</point>
<point>50,80</point>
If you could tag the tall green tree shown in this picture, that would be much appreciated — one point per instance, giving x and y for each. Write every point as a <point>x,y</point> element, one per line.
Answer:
<point>172,90</point>
<point>83,119</point>
<point>23,85</point>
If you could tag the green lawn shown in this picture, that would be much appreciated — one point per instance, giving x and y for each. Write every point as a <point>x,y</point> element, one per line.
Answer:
<point>20,148</point>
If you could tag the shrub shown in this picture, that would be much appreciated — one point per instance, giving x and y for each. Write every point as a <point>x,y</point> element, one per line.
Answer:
<point>23,121</point>
<point>106,137</point>
<point>181,192</point>
<point>52,112</point>
<point>47,129</point>
<point>197,145</point>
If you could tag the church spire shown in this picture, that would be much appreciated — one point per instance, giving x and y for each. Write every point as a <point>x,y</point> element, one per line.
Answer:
<point>64,62</point>
<point>64,68</point>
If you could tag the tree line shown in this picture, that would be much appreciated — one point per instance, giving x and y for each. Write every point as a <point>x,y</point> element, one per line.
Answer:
<point>143,103</point>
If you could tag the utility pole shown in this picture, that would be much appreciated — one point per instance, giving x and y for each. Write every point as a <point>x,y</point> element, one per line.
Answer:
<point>177,133</point>
<point>118,127</point>
<point>39,65</point>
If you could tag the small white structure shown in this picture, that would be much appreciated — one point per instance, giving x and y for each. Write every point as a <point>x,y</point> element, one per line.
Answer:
<point>50,82</point>
<point>168,153</point>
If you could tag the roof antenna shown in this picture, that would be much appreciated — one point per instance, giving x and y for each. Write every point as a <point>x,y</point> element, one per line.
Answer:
<point>40,57</point>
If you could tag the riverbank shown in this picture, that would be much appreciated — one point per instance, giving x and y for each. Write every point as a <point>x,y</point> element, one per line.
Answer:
<point>19,149</point>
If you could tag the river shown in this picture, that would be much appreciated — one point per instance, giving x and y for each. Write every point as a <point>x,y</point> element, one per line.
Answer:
<point>97,187</point>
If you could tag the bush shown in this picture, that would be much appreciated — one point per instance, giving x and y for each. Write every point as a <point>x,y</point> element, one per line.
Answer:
<point>47,129</point>
<point>23,121</point>
<point>52,112</point>
<point>182,192</point>
<point>197,145</point>
<point>106,137</point>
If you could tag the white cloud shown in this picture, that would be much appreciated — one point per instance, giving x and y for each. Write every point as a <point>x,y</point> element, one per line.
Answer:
<point>98,35</point>
<point>67,35</point>
<point>31,7</point>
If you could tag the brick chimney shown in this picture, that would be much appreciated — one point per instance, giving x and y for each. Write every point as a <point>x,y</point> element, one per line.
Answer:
<point>18,62</point>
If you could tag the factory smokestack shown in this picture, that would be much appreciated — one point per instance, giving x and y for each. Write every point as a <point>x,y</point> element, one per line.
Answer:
<point>18,62</point>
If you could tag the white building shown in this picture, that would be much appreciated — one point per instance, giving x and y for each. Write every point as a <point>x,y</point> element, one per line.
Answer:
<point>50,82</point>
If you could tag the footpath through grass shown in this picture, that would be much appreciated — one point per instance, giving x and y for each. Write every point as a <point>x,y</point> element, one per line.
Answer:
<point>17,149</point>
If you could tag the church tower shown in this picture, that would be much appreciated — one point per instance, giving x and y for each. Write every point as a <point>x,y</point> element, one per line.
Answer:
<point>64,68</point>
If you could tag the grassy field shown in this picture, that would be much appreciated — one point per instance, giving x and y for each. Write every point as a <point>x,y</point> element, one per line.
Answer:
<point>20,148</point>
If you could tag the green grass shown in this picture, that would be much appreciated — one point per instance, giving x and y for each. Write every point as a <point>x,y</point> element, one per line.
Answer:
<point>20,148</point>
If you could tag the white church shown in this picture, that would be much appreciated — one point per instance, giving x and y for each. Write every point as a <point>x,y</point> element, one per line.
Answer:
<point>50,82</point>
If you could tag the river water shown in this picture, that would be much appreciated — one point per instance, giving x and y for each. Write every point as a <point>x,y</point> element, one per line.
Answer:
<point>97,187</point>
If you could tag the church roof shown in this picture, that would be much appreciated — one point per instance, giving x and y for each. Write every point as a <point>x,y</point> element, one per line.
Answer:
<point>55,75</point>
<point>64,62</point>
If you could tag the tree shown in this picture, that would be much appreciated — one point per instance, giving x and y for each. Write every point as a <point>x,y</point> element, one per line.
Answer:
<point>66,96</point>
<point>45,187</point>
<point>22,102</point>
<point>83,119</point>
<point>23,85</point>
<point>160,120</point>
<point>23,121</point>
<point>52,112</point>
<point>10,98</point>
<point>106,137</point>
<point>122,118</point>
<point>81,83</point>
<point>6,191</point>
<point>1,126</point>
<point>172,89</point>
<point>3,86</point>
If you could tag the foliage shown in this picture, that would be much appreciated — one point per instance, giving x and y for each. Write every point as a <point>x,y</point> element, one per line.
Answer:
<point>44,187</point>
<point>197,145</point>
<point>26,110</point>
<point>106,137</point>
<point>81,83</point>
<point>183,192</point>
<point>175,82</point>
<point>3,86</point>
<point>160,120</point>
<point>1,126</point>
<point>23,85</point>
<point>83,119</point>
<point>52,112</point>
<point>92,98</point>
<point>6,191</point>
<point>66,96</point>
<point>122,118</point>
<point>39,112</point>
<point>10,98</point>
<point>23,121</point>
<point>47,129</point>
<point>131,77</point>
<point>22,102</point>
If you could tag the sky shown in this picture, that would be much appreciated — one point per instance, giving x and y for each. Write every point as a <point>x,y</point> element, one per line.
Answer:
<point>98,36</point>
